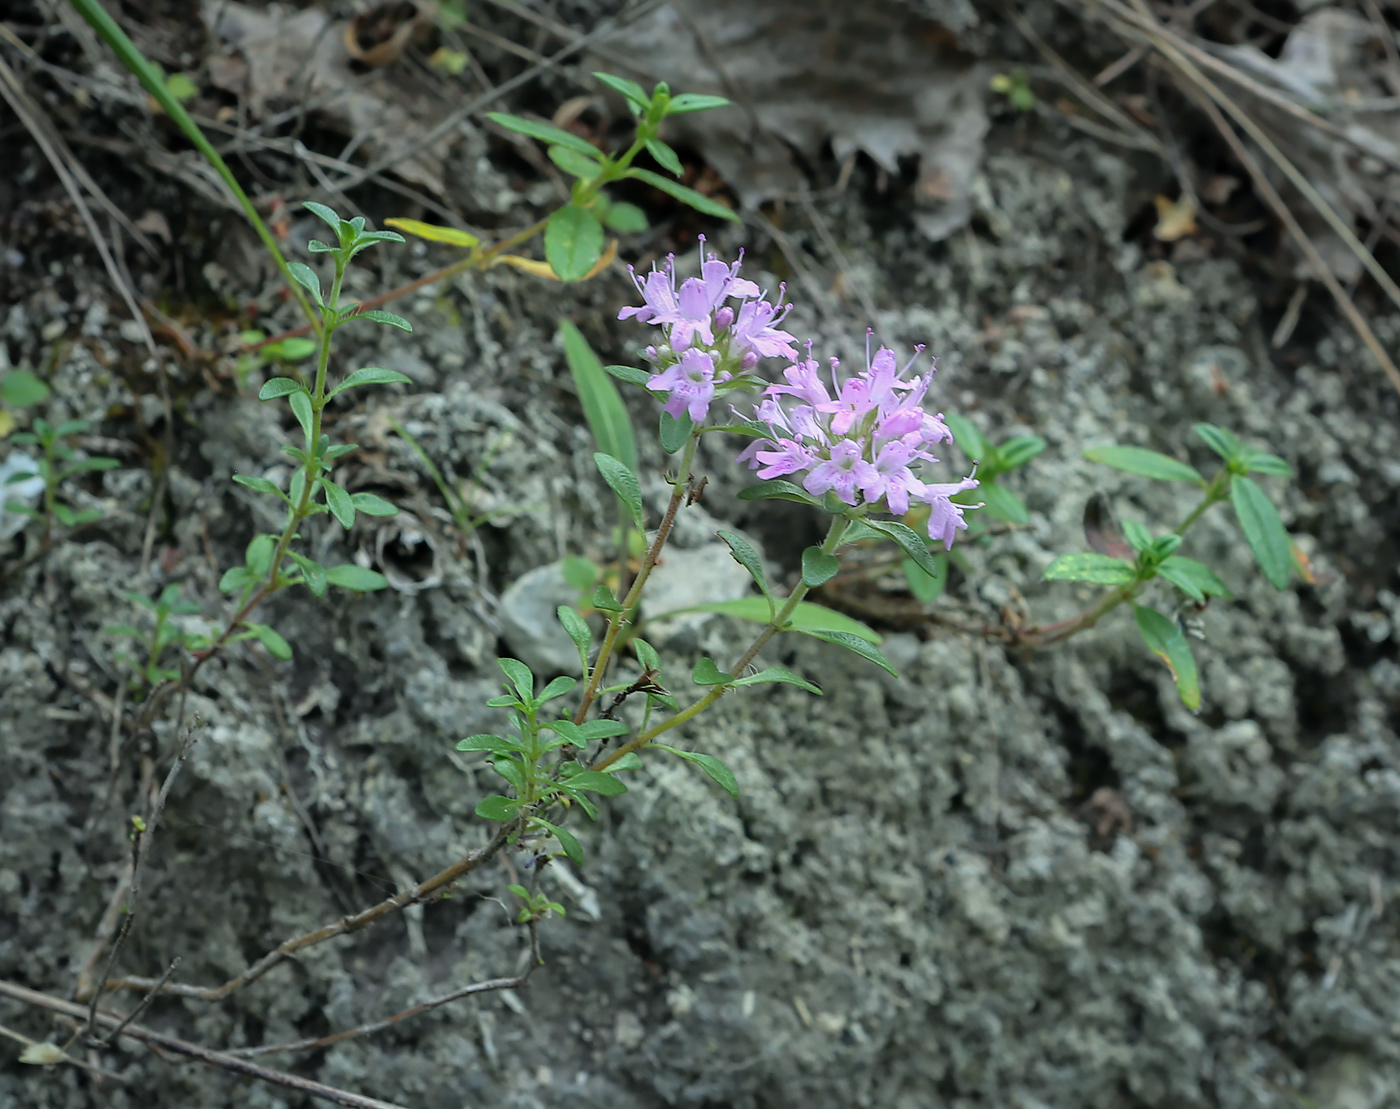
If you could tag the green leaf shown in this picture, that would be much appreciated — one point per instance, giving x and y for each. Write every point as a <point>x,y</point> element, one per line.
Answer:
<point>326,215</point>
<point>630,90</point>
<point>646,654</point>
<point>1163,546</point>
<point>970,440</point>
<point>235,578</point>
<point>590,730</point>
<point>623,482</point>
<point>1138,537</point>
<point>571,846</point>
<point>604,599</point>
<point>910,542</point>
<point>371,375</point>
<point>777,489</point>
<point>258,556</point>
<point>626,219</point>
<point>778,674</point>
<point>818,567</point>
<point>579,573</point>
<point>706,672</point>
<point>182,86</point>
<point>1263,531</point>
<point>630,374</point>
<point>124,631</point>
<point>852,643</point>
<point>1195,579</point>
<point>312,572</point>
<point>497,807</point>
<point>260,485</point>
<point>300,404</point>
<point>1098,569</point>
<point>601,402</point>
<point>339,502</point>
<point>578,630</point>
<point>355,578</point>
<point>294,349</point>
<point>21,389</point>
<point>926,587</point>
<point>1018,451</point>
<point>806,616</point>
<point>665,157</point>
<point>520,676</point>
<point>1169,643</point>
<point>389,319</point>
<point>1002,503</point>
<point>1219,440</point>
<point>701,203</point>
<point>1145,463</point>
<point>494,743</point>
<point>306,277</point>
<point>674,432</point>
<point>544,132</point>
<point>720,774</point>
<point>596,781</point>
<point>574,163</point>
<point>275,644</point>
<point>748,558</point>
<point>1257,462</point>
<point>505,701</point>
<point>372,505</point>
<point>573,242</point>
<point>693,102</point>
<point>279,387</point>
<point>556,688</point>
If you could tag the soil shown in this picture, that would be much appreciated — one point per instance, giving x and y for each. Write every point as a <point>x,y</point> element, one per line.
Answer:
<point>1022,879</point>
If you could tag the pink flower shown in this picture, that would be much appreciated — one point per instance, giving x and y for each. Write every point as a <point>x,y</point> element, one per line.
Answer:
<point>946,518</point>
<point>793,457</point>
<point>862,446</point>
<point>754,330</point>
<point>840,473</point>
<point>690,383</point>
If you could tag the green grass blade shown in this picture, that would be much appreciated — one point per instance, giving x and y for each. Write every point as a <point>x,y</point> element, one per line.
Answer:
<point>127,53</point>
<point>602,404</point>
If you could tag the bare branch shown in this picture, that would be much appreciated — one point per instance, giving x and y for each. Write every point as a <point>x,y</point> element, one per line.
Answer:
<point>224,1061</point>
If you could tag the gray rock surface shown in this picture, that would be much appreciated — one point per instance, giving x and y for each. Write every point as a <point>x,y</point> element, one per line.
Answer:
<point>1032,881</point>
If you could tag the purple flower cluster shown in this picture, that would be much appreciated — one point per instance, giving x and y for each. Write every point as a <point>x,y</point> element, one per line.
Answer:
<point>861,444</point>
<point>859,440</point>
<point>706,341</point>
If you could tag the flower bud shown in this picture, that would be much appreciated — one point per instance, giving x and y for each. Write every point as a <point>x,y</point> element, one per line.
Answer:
<point>724,318</point>
<point>749,361</point>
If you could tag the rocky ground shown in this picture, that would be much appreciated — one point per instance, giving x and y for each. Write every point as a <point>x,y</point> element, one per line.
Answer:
<point>1007,879</point>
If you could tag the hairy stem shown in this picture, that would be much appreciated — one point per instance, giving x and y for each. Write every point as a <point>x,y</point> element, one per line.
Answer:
<point>776,625</point>
<point>618,620</point>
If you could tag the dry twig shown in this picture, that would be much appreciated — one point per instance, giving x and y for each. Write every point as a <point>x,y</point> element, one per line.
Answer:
<point>162,1041</point>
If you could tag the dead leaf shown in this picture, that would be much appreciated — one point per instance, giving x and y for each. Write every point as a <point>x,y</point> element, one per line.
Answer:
<point>1175,218</point>
<point>1219,188</point>
<point>379,36</point>
<point>299,57</point>
<point>879,77</point>
<point>154,223</point>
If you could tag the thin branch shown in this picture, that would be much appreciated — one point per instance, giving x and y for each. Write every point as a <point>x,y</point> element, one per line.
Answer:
<point>341,927</point>
<point>140,849</point>
<point>32,117</point>
<point>145,1004</point>
<point>154,1039</point>
<point>1207,95</point>
<point>489,986</point>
